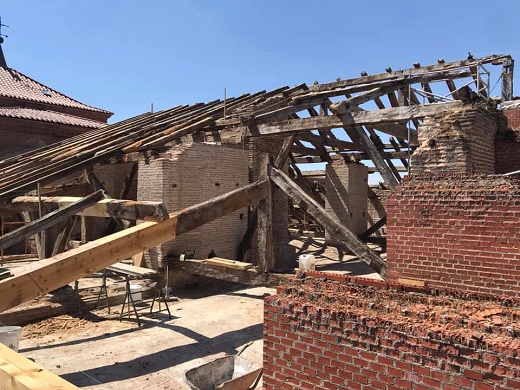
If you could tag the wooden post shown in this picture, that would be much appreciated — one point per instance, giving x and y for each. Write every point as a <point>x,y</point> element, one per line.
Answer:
<point>266,253</point>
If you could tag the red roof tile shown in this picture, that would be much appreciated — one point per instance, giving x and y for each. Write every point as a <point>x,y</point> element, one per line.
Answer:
<point>48,116</point>
<point>14,84</point>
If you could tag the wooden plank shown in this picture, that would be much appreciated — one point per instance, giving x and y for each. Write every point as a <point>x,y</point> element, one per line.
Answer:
<point>19,373</point>
<point>228,263</point>
<point>138,259</point>
<point>132,270</point>
<point>411,282</point>
<point>49,274</point>
<point>117,208</point>
<point>331,224</point>
<point>48,220</point>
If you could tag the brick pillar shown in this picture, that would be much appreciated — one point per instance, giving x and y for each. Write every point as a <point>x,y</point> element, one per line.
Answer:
<point>461,141</point>
<point>346,192</point>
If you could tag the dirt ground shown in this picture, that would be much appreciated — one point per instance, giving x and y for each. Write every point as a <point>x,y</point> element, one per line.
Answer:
<point>100,352</point>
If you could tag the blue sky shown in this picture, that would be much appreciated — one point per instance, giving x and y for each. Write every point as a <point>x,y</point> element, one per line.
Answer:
<point>124,55</point>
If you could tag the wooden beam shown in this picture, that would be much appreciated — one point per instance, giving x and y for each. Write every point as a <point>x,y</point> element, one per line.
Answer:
<point>48,220</point>
<point>369,147</point>
<point>335,228</point>
<point>429,72</point>
<point>19,373</point>
<point>63,237</point>
<point>507,80</point>
<point>116,208</point>
<point>372,229</point>
<point>49,274</point>
<point>266,253</point>
<point>283,154</point>
<point>374,117</point>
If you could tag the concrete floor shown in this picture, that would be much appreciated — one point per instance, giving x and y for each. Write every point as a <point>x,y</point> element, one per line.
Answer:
<point>120,355</point>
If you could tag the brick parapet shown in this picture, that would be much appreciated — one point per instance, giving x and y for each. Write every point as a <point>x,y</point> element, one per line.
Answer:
<point>329,335</point>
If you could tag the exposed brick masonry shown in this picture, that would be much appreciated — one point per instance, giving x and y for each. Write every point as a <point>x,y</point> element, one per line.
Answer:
<point>507,145</point>
<point>330,335</point>
<point>459,142</point>
<point>190,174</point>
<point>456,231</point>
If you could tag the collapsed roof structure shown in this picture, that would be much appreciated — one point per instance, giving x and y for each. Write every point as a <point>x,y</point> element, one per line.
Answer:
<point>376,119</point>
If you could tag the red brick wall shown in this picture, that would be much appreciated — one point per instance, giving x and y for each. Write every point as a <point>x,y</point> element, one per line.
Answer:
<point>507,144</point>
<point>329,335</point>
<point>456,231</point>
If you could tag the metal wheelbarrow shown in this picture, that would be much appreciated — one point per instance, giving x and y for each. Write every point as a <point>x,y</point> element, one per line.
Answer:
<point>230,372</point>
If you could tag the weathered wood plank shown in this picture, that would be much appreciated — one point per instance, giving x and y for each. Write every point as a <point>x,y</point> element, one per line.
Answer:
<point>335,229</point>
<point>49,274</point>
<point>116,208</point>
<point>48,220</point>
<point>226,263</point>
<point>375,155</point>
<point>374,117</point>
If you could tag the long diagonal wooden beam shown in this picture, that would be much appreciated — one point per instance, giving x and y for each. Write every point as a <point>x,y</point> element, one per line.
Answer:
<point>49,274</point>
<point>345,117</point>
<point>335,229</point>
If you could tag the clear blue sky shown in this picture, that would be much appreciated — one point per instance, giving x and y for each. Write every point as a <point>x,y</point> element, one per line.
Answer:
<point>123,55</point>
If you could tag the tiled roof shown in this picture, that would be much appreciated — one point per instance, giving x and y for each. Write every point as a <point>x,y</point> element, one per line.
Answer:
<point>14,84</point>
<point>48,116</point>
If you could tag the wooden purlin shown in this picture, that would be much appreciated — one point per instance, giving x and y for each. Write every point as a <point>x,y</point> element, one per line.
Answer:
<point>420,71</point>
<point>48,164</point>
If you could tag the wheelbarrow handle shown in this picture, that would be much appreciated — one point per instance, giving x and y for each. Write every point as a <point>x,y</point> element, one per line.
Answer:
<point>256,380</point>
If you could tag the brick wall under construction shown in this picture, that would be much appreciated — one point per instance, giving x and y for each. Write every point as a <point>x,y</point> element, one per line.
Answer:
<point>456,231</point>
<point>461,141</point>
<point>366,334</point>
<point>190,174</point>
